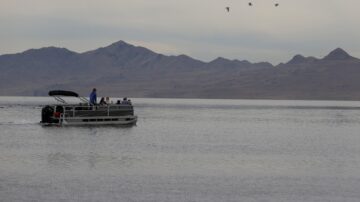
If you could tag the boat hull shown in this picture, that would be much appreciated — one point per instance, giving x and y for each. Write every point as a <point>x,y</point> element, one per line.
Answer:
<point>123,120</point>
<point>91,121</point>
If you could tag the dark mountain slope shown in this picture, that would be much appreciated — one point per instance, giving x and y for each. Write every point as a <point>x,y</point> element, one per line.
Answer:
<point>123,69</point>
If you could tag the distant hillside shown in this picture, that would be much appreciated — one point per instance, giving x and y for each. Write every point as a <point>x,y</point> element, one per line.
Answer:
<point>122,69</point>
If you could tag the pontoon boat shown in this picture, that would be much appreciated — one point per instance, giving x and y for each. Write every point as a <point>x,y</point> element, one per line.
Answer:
<point>83,113</point>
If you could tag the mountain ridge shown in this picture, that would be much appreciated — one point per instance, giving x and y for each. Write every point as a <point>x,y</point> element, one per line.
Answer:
<point>123,68</point>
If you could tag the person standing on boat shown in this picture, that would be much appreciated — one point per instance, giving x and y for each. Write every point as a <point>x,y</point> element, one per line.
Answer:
<point>93,97</point>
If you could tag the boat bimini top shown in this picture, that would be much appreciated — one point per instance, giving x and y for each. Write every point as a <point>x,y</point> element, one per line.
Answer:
<point>57,94</point>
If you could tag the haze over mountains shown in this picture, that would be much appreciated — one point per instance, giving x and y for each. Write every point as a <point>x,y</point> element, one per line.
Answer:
<point>122,69</point>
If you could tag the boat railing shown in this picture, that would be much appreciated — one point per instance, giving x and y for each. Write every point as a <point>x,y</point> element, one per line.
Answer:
<point>97,110</point>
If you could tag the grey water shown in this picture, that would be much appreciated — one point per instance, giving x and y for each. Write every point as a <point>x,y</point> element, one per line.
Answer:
<point>185,150</point>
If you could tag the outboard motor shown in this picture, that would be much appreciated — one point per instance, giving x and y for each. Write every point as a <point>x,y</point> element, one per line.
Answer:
<point>47,115</point>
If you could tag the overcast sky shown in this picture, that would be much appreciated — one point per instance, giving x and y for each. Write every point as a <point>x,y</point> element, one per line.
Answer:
<point>199,28</point>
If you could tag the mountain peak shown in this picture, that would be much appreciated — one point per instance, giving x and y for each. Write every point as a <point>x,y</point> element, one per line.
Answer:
<point>120,47</point>
<point>297,59</point>
<point>338,54</point>
<point>49,51</point>
<point>220,60</point>
<point>119,44</point>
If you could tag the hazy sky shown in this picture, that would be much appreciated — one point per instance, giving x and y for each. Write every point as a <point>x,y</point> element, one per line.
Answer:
<point>199,28</point>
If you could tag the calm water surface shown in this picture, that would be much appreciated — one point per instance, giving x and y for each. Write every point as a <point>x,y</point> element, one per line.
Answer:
<point>185,150</point>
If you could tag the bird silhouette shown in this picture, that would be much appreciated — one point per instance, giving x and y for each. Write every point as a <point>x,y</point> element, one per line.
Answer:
<point>251,4</point>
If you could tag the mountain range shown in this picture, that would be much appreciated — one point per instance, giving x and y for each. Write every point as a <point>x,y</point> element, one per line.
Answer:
<point>122,69</point>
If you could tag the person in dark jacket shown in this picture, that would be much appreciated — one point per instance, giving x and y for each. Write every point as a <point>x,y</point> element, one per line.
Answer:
<point>102,101</point>
<point>93,97</point>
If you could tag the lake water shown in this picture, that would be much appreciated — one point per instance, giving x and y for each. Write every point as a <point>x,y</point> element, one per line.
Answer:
<point>185,150</point>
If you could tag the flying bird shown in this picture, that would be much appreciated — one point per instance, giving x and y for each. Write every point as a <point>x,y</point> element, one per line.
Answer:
<point>277,4</point>
<point>228,9</point>
<point>250,4</point>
